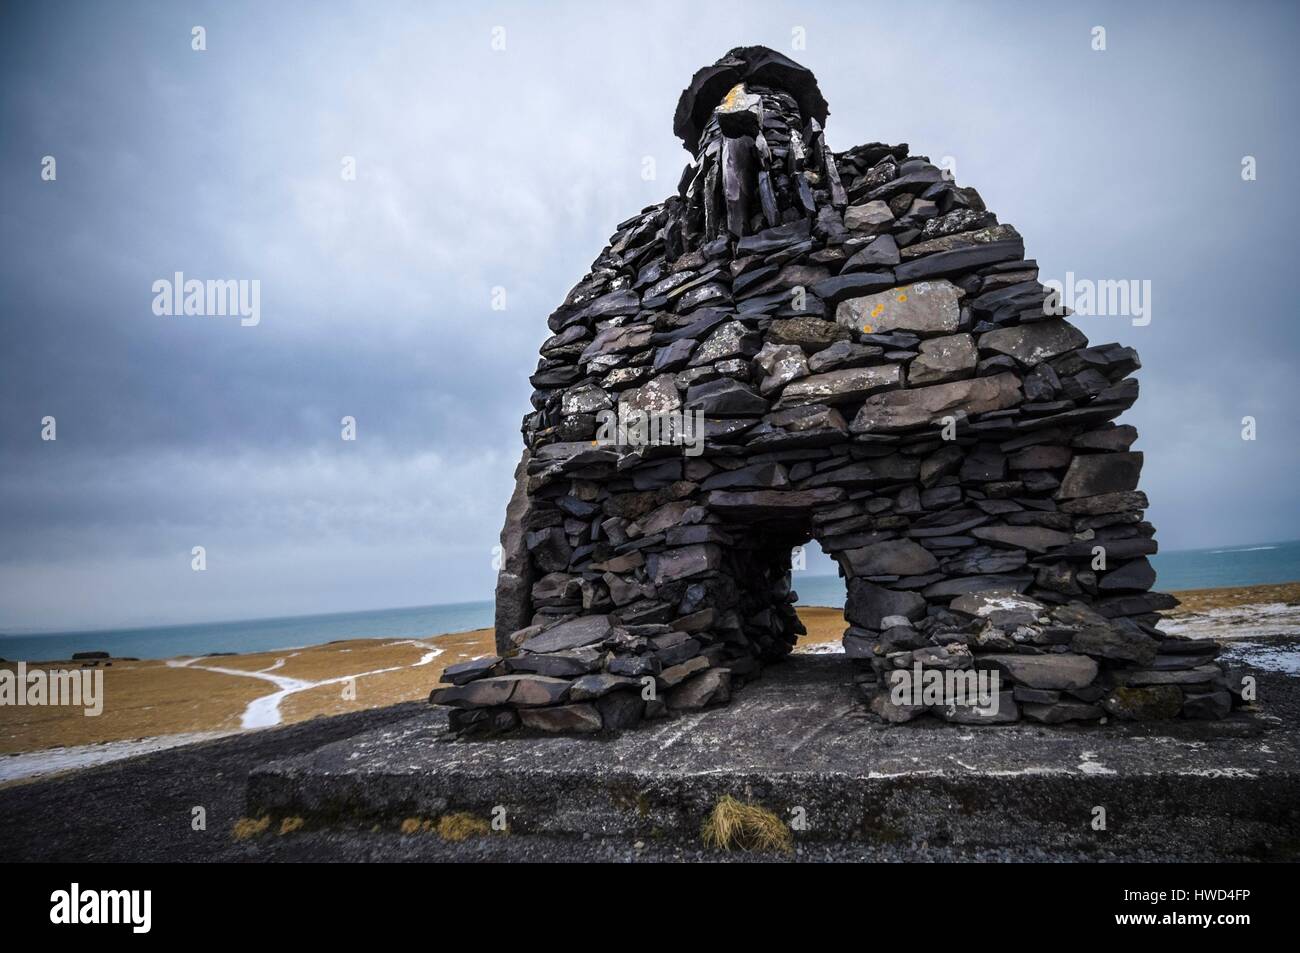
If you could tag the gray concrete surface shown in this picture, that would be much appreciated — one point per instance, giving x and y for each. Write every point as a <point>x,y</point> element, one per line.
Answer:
<point>798,742</point>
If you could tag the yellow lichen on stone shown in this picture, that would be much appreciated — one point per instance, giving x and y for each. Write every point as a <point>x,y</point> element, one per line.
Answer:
<point>247,827</point>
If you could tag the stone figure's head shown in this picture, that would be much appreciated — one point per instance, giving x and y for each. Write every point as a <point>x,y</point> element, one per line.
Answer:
<point>730,97</point>
<point>753,121</point>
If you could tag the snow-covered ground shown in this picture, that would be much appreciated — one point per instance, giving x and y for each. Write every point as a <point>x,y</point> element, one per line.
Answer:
<point>15,767</point>
<point>1237,622</point>
<point>262,712</point>
<point>1241,628</point>
<point>821,648</point>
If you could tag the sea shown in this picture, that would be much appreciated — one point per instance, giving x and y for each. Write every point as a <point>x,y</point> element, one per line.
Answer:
<point>252,635</point>
<point>1212,568</point>
<point>1186,569</point>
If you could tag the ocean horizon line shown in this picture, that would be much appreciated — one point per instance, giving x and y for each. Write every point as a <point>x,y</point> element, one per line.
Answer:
<point>249,620</point>
<point>476,607</point>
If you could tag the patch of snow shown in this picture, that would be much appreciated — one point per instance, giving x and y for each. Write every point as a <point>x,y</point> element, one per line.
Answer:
<point>1236,622</point>
<point>1090,764</point>
<point>427,657</point>
<point>1004,601</point>
<point>264,712</point>
<point>1271,658</point>
<point>820,648</point>
<point>34,764</point>
<point>1221,773</point>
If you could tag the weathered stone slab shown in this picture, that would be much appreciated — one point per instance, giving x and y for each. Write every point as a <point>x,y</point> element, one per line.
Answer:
<point>683,561</point>
<point>1061,672</point>
<point>869,217</point>
<point>564,719</point>
<point>586,630</point>
<point>1144,704</point>
<point>516,690</point>
<point>596,685</point>
<point>707,688</point>
<point>868,604</point>
<point>1002,607</point>
<point>926,307</point>
<point>1031,344</point>
<point>960,259</point>
<point>1092,474</point>
<point>464,672</point>
<point>1063,711</point>
<point>943,359</point>
<point>1113,642</point>
<point>899,557</point>
<point>904,409</point>
<point>1035,539</point>
<point>809,334</point>
<point>771,503</point>
<point>842,387</point>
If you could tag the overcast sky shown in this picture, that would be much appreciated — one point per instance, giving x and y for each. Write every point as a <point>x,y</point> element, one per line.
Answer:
<point>479,168</point>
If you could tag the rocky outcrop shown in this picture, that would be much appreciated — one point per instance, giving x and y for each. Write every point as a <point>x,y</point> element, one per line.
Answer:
<point>849,348</point>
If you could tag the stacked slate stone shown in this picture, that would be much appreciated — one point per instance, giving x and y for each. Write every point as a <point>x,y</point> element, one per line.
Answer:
<point>876,369</point>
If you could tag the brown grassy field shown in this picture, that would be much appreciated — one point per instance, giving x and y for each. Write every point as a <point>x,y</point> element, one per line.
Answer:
<point>1202,600</point>
<point>153,697</point>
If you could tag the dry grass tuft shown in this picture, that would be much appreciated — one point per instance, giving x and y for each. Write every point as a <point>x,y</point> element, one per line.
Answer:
<point>290,824</point>
<point>735,824</point>
<point>416,825</point>
<point>458,827</point>
<point>247,827</point>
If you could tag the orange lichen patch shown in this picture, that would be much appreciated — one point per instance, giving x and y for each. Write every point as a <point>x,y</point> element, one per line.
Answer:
<point>729,100</point>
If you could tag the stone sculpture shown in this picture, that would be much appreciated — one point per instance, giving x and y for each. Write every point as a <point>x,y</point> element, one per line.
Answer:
<point>849,348</point>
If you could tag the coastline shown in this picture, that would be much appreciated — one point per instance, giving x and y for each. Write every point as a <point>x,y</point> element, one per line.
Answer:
<point>152,704</point>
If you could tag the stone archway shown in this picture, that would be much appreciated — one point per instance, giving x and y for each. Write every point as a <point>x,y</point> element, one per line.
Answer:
<point>847,347</point>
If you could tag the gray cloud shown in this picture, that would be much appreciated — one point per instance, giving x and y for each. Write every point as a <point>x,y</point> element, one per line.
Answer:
<point>479,169</point>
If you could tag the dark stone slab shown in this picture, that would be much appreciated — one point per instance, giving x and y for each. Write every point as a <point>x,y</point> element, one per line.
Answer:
<point>587,630</point>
